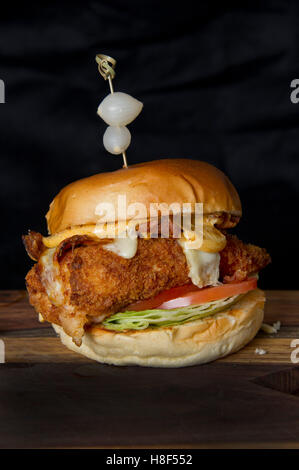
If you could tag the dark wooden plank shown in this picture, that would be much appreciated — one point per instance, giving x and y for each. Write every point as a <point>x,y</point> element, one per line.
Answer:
<point>77,405</point>
<point>49,349</point>
<point>51,397</point>
<point>282,306</point>
<point>19,320</point>
<point>17,314</point>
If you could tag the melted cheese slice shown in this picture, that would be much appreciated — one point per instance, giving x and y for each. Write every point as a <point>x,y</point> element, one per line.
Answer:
<point>208,239</point>
<point>203,266</point>
<point>107,230</point>
<point>91,230</point>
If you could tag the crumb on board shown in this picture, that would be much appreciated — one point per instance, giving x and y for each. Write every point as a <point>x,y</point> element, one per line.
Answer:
<point>260,351</point>
<point>277,325</point>
<point>271,329</point>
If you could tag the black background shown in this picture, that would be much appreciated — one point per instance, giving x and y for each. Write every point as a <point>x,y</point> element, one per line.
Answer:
<point>215,82</point>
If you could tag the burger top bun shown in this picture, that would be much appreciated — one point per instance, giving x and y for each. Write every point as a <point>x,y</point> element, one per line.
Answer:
<point>160,181</point>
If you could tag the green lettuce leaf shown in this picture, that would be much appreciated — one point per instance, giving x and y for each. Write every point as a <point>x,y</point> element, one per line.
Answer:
<point>162,318</point>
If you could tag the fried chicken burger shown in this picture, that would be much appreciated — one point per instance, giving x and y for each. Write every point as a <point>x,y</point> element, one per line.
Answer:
<point>118,290</point>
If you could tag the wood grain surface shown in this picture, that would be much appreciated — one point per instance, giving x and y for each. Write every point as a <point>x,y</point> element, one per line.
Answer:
<point>52,397</point>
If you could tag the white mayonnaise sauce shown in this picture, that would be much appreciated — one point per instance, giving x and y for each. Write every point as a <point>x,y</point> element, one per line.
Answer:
<point>124,247</point>
<point>203,266</point>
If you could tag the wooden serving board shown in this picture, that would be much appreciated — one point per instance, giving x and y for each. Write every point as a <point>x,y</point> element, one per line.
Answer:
<point>52,397</point>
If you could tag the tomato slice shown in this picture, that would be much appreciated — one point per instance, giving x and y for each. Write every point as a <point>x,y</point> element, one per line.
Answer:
<point>192,295</point>
<point>164,296</point>
<point>209,294</point>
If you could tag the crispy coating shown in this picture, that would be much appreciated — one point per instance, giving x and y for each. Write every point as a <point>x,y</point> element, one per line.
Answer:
<point>238,260</point>
<point>71,319</point>
<point>38,296</point>
<point>102,282</point>
<point>97,282</point>
<point>34,244</point>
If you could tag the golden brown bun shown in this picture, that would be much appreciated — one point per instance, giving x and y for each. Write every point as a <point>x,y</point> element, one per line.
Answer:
<point>160,181</point>
<point>193,343</point>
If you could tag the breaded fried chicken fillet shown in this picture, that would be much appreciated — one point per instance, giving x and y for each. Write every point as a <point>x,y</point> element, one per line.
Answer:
<point>92,282</point>
<point>239,260</point>
<point>97,282</point>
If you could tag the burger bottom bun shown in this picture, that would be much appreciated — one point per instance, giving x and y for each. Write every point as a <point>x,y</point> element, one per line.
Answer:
<point>196,342</point>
